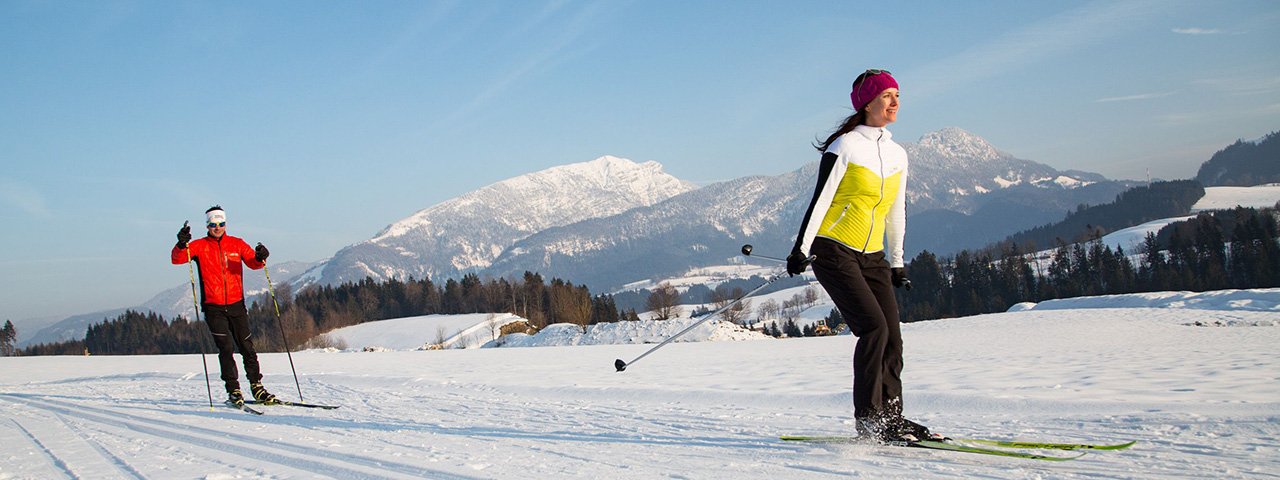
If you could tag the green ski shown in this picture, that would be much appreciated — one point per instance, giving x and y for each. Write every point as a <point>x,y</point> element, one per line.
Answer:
<point>933,445</point>
<point>1046,445</point>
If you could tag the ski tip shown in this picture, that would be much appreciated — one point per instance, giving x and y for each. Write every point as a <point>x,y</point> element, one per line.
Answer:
<point>619,364</point>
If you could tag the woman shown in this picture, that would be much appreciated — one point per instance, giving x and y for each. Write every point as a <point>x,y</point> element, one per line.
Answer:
<point>858,202</point>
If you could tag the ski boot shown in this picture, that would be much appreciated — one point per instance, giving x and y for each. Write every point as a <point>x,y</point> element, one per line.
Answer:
<point>873,429</point>
<point>911,431</point>
<point>261,394</point>
<point>236,398</point>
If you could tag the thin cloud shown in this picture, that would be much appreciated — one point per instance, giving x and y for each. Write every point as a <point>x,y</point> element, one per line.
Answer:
<point>23,197</point>
<point>1016,50</point>
<point>1133,98</point>
<point>539,59</point>
<point>1248,83</point>
<point>1197,31</point>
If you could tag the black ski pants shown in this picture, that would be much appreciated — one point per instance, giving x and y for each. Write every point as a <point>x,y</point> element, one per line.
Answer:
<point>861,287</point>
<point>230,327</point>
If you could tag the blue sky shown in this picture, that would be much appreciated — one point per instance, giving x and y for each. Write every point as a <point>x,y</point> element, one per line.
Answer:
<point>316,125</point>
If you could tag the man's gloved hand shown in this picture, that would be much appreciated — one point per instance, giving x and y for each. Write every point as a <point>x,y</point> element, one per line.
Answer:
<point>900,279</point>
<point>260,253</point>
<point>184,235</point>
<point>797,263</point>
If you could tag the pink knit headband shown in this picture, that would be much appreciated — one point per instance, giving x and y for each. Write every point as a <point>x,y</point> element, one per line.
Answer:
<point>873,82</point>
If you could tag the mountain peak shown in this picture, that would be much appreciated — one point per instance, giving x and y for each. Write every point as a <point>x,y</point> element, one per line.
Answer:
<point>958,143</point>
<point>467,232</point>
<point>606,169</point>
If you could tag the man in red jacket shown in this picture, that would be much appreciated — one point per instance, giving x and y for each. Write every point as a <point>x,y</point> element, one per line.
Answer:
<point>218,257</point>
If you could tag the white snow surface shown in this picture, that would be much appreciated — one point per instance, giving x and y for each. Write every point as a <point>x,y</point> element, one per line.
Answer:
<point>1197,388</point>
<point>414,333</point>
<point>1223,198</point>
<point>643,331</point>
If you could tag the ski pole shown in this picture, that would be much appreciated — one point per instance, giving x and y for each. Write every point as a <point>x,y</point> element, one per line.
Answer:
<point>621,365</point>
<point>196,303</point>
<point>271,289</point>
<point>746,250</point>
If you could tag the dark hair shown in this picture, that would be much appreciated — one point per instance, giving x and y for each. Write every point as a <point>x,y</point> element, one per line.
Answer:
<point>858,118</point>
<point>215,207</point>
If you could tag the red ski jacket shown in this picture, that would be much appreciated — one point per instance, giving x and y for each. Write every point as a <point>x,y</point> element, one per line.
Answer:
<point>218,260</point>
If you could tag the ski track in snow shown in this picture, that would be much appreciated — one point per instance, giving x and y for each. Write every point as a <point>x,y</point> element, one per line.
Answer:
<point>1202,402</point>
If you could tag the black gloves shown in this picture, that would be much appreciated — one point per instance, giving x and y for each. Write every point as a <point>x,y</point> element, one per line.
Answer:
<point>900,280</point>
<point>260,253</point>
<point>184,235</point>
<point>797,263</point>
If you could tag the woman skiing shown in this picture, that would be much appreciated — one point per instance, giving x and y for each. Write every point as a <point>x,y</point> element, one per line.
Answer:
<point>858,203</point>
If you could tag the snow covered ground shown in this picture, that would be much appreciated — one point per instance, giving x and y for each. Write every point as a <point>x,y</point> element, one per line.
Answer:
<point>1226,198</point>
<point>1195,382</point>
<point>427,331</point>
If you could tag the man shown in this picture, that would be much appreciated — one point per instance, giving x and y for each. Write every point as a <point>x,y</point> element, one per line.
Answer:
<point>218,256</point>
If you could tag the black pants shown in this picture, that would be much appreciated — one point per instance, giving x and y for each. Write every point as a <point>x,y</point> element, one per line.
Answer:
<point>861,287</point>
<point>230,327</point>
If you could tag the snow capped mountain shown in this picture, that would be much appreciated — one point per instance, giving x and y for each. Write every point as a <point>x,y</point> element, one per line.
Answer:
<point>468,232</point>
<point>700,227</point>
<point>951,168</point>
<point>959,146</point>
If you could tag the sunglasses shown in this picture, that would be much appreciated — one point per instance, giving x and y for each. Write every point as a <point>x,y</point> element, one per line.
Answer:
<point>870,72</point>
<point>219,224</point>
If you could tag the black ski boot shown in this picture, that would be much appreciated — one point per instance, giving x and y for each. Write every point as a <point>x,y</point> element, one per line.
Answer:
<point>873,429</point>
<point>236,398</point>
<point>261,394</point>
<point>912,431</point>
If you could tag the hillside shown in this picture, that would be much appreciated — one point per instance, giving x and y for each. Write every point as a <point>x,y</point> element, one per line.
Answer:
<point>1133,207</point>
<point>1244,164</point>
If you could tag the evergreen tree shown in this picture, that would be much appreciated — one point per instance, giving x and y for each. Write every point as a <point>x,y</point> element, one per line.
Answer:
<point>791,329</point>
<point>8,339</point>
<point>834,319</point>
<point>926,298</point>
<point>604,310</point>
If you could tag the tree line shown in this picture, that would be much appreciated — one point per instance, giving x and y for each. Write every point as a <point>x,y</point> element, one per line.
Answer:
<point>316,310</point>
<point>1212,251</point>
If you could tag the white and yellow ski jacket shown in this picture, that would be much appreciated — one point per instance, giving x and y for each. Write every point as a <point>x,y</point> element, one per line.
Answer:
<point>861,194</point>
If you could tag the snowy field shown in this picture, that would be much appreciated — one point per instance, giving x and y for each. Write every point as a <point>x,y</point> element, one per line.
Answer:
<point>1196,382</point>
<point>423,332</point>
